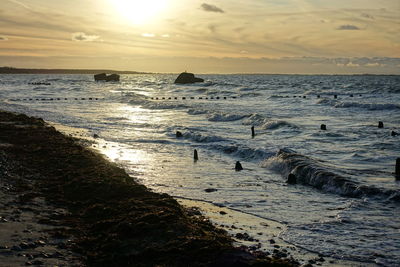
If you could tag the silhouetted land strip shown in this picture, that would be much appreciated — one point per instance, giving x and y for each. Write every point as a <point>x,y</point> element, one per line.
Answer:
<point>113,220</point>
<point>10,70</point>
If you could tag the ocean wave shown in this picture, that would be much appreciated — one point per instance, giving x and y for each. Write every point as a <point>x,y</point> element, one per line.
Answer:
<point>246,89</point>
<point>164,105</point>
<point>276,96</point>
<point>225,117</point>
<point>265,123</point>
<point>311,172</point>
<point>369,106</point>
<point>196,112</point>
<point>244,152</point>
<point>217,116</point>
<point>327,102</point>
<point>255,119</point>
<point>250,94</point>
<point>202,138</point>
<point>201,90</point>
<point>228,147</point>
<point>141,100</point>
<point>272,125</point>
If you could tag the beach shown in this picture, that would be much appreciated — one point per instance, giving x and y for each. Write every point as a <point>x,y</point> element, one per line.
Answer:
<point>342,210</point>
<point>66,205</point>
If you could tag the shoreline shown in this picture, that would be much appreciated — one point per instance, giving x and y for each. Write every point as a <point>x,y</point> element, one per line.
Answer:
<point>105,217</point>
<point>255,233</point>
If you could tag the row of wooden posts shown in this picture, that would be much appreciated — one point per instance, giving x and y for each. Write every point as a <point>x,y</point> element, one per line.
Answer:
<point>152,98</point>
<point>238,165</point>
<point>224,97</point>
<point>54,99</point>
<point>292,179</point>
<point>380,125</point>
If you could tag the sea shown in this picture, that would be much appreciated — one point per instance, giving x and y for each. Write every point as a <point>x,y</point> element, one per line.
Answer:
<point>346,202</point>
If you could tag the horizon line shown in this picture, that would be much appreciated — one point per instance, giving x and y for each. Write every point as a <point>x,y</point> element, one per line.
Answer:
<point>18,70</point>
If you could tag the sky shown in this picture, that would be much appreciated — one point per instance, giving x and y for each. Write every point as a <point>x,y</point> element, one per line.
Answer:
<point>206,36</point>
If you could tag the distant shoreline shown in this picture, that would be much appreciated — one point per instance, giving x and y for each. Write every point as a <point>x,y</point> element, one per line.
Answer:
<point>12,70</point>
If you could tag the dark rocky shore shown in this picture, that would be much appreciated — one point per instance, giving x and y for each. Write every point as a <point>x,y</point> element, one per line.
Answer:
<point>93,213</point>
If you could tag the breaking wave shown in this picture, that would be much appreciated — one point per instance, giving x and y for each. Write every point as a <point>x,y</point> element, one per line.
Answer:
<point>225,117</point>
<point>369,106</point>
<point>272,125</point>
<point>311,172</point>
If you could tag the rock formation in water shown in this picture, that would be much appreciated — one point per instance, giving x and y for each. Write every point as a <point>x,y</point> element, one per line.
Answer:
<point>186,77</point>
<point>107,78</point>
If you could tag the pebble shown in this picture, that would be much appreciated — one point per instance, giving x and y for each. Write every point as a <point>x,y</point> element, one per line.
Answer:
<point>43,255</point>
<point>24,245</point>
<point>16,248</point>
<point>37,262</point>
<point>282,255</point>
<point>209,190</point>
<point>40,243</point>
<point>56,255</point>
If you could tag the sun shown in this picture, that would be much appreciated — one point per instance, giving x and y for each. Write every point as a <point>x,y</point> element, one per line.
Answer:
<point>140,11</point>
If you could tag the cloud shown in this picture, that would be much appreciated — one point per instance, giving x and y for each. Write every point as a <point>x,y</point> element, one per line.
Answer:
<point>211,8</point>
<point>150,35</point>
<point>3,38</point>
<point>20,3</point>
<point>348,27</point>
<point>374,65</point>
<point>352,65</point>
<point>83,37</point>
<point>239,29</point>
<point>368,16</point>
<point>212,28</point>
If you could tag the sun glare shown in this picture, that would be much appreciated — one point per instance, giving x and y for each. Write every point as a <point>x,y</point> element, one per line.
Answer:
<point>140,11</point>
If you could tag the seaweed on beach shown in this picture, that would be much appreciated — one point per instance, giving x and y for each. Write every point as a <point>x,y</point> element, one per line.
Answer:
<point>113,220</point>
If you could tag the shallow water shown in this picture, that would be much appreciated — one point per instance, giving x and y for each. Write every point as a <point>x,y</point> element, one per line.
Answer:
<point>347,203</point>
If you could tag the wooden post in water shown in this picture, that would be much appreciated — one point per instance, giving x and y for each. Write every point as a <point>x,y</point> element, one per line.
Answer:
<point>238,166</point>
<point>178,134</point>
<point>397,169</point>
<point>291,179</point>
<point>380,124</point>
<point>323,127</point>
<point>253,133</point>
<point>195,156</point>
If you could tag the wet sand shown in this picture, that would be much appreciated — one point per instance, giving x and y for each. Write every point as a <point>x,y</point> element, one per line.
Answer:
<point>66,205</point>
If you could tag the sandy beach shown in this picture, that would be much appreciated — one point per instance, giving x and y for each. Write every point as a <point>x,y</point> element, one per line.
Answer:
<point>65,205</point>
